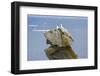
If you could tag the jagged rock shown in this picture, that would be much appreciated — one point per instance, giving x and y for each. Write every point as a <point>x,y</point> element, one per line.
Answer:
<point>59,37</point>
<point>55,52</point>
<point>60,40</point>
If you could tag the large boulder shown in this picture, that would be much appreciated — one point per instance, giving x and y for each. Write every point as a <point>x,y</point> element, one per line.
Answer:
<point>55,52</point>
<point>59,36</point>
<point>60,41</point>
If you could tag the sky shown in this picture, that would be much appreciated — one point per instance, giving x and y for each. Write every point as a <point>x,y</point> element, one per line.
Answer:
<point>76,25</point>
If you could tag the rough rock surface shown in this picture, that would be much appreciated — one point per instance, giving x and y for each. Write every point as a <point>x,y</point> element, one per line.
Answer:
<point>59,37</point>
<point>55,52</point>
<point>60,40</point>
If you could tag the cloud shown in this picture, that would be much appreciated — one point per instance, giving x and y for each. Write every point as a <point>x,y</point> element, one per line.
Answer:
<point>41,30</point>
<point>33,25</point>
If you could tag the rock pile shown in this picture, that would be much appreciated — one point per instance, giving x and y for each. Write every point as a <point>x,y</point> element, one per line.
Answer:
<point>60,41</point>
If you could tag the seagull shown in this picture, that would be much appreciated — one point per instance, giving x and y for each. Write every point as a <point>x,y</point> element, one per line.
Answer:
<point>61,26</point>
<point>57,27</point>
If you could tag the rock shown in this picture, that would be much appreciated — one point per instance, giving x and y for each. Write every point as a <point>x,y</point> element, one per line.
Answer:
<point>55,52</point>
<point>60,41</point>
<point>59,37</point>
<point>54,37</point>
